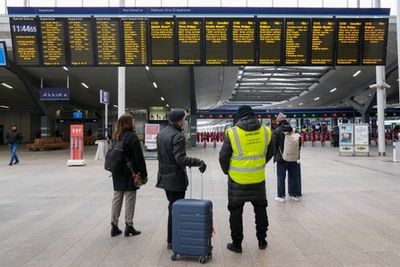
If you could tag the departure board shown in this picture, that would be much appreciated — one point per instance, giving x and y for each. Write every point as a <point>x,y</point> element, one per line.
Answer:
<point>243,42</point>
<point>190,41</point>
<point>25,42</point>
<point>322,39</point>
<point>297,36</point>
<point>348,42</point>
<point>217,41</point>
<point>270,36</point>
<point>135,40</point>
<point>374,41</point>
<point>81,41</point>
<point>53,41</point>
<point>162,37</point>
<point>108,41</point>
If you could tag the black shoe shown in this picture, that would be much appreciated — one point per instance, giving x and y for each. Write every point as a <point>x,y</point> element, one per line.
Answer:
<point>234,247</point>
<point>10,164</point>
<point>115,230</point>
<point>263,244</point>
<point>16,162</point>
<point>129,230</point>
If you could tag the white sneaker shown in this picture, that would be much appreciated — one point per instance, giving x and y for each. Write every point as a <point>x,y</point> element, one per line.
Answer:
<point>296,199</point>
<point>280,199</point>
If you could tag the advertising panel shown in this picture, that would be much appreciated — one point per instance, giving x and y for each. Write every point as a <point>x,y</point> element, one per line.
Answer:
<point>76,145</point>
<point>361,138</point>
<point>150,135</point>
<point>346,138</point>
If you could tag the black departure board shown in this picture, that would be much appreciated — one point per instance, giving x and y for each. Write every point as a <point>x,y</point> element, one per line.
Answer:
<point>348,42</point>
<point>374,41</point>
<point>80,33</point>
<point>190,33</point>
<point>53,41</point>
<point>217,41</point>
<point>297,41</point>
<point>108,41</point>
<point>243,42</point>
<point>162,38</point>
<point>135,40</point>
<point>322,41</point>
<point>25,41</point>
<point>270,37</point>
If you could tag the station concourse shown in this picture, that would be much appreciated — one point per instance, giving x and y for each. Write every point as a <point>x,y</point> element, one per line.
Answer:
<point>69,71</point>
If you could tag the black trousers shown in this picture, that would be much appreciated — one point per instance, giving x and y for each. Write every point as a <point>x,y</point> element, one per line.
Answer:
<point>172,196</point>
<point>236,219</point>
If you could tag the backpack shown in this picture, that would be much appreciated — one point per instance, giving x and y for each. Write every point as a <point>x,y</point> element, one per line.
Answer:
<point>115,159</point>
<point>291,147</point>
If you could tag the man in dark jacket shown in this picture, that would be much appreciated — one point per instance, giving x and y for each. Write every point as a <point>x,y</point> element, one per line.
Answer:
<point>246,150</point>
<point>172,162</point>
<point>13,138</point>
<point>283,166</point>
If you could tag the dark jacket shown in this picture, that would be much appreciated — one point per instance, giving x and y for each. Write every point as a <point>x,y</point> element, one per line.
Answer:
<point>238,192</point>
<point>279,139</point>
<point>172,159</point>
<point>13,137</point>
<point>123,180</point>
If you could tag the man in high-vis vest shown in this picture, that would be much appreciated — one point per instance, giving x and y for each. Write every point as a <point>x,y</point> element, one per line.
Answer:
<point>246,150</point>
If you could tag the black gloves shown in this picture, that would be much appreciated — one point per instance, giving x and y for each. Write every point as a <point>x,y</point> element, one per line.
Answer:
<point>202,167</point>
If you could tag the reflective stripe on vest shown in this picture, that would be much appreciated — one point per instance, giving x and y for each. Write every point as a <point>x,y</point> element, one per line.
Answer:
<point>247,163</point>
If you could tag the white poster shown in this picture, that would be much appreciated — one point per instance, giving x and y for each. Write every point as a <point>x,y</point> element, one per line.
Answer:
<point>150,135</point>
<point>361,138</point>
<point>346,138</point>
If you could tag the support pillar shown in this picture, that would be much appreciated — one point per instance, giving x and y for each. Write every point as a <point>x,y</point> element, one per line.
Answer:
<point>398,40</point>
<point>381,102</point>
<point>121,91</point>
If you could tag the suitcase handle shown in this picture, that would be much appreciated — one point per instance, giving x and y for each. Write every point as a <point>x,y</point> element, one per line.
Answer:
<point>191,183</point>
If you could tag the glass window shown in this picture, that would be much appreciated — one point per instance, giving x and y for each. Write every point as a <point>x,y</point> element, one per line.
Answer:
<point>156,3</point>
<point>174,3</point>
<point>352,3</point>
<point>240,3</point>
<point>260,3</point>
<point>204,2</point>
<point>69,3</point>
<point>47,3</point>
<point>15,3</point>
<point>2,6</point>
<point>115,3</point>
<point>366,3</point>
<point>390,4</point>
<point>335,3</point>
<point>310,3</point>
<point>286,3</point>
<point>95,3</point>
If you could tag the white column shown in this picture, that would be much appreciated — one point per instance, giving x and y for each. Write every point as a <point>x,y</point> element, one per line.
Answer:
<point>398,39</point>
<point>121,91</point>
<point>381,103</point>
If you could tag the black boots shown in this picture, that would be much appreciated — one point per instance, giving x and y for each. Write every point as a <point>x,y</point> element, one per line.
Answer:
<point>262,244</point>
<point>234,247</point>
<point>115,230</point>
<point>10,164</point>
<point>16,162</point>
<point>129,230</point>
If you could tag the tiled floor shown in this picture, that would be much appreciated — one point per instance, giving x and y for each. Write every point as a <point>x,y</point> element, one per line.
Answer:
<point>54,215</point>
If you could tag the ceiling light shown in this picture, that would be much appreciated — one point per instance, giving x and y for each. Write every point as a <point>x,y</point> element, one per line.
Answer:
<point>147,68</point>
<point>4,106</point>
<point>65,68</point>
<point>317,98</point>
<point>333,90</point>
<point>155,85</point>
<point>300,104</point>
<point>358,72</point>
<point>162,98</point>
<point>115,106</point>
<point>167,105</point>
<point>85,85</point>
<point>7,85</point>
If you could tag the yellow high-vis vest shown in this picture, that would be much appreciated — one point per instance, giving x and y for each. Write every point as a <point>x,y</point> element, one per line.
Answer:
<point>247,163</point>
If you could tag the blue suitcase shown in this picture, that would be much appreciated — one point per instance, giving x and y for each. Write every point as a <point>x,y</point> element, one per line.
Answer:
<point>192,223</point>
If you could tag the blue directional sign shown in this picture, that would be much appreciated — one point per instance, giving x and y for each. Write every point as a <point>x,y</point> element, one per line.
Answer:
<point>3,54</point>
<point>104,97</point>
<point>54,93</point>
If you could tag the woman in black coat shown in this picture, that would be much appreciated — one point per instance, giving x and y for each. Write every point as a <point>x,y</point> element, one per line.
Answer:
<point>123,180</point>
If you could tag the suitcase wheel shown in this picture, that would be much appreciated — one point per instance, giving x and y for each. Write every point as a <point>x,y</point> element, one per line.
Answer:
<point>203,259</point>
<point>174,257</point>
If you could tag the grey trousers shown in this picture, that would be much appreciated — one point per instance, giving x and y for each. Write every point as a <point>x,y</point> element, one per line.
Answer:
<point>130,201</point>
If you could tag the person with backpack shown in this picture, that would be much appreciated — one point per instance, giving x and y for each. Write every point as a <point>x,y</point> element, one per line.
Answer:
<point>126,162</point>
<point>287,152</point>
<point>13,139</point>
<point>172,162</point>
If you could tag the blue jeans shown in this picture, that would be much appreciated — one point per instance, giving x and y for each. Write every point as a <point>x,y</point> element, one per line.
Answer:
<point>13,151</point>
<point>293,178</point>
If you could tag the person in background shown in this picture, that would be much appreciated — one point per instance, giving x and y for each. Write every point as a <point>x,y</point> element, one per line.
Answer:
<point>172,162</point>
<point>283,166</point>
<point>89,132</point>
<point>13,137</point>
<point>245,152</point>
<point>123,181</point>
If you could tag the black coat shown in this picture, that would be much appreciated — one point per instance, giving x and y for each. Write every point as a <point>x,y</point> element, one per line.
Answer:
<point>13,137</point>
<point>279,140</point>
<point>238,192</point>
<point>123,180</point>
<point>172,159</point>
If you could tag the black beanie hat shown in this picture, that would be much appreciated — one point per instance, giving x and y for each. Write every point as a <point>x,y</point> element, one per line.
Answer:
<point>244,111</point>
<point>176,114</point>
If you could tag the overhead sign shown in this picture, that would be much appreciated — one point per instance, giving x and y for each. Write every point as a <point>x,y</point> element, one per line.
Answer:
<point>3,54</point>
<point>104,97</point>
<point>54,93</point>
<point>157,114</point>
<point>196,36</point>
